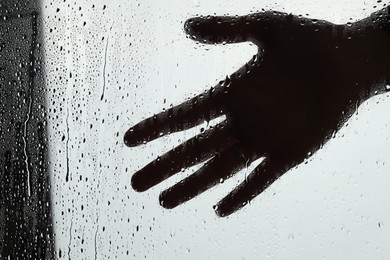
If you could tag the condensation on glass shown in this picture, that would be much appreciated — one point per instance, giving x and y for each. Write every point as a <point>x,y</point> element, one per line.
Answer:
<point>75,76</point>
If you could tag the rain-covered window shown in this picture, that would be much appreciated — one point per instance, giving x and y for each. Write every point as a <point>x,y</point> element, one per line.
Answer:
<point>194,129</point>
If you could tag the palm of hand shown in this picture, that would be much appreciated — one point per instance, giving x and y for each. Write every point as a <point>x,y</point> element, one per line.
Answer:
<point>307,79</point>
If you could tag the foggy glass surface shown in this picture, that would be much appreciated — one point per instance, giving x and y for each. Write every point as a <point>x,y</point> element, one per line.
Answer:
<point>108,65</point>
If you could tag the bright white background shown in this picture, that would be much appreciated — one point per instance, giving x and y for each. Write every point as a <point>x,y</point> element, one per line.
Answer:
<point>336,206</point>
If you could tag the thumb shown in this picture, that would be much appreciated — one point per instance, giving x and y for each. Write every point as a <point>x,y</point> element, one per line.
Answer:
<point>233,29</point>
<point>217,29</point>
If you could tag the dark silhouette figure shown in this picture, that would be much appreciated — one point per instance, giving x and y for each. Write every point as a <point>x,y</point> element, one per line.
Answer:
<point>308,78</point>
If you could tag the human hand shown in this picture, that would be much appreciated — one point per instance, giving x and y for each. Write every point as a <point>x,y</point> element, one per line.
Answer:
<point>307,79</point>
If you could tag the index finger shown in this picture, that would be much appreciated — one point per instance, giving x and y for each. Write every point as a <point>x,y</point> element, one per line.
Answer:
<point>201,108</point>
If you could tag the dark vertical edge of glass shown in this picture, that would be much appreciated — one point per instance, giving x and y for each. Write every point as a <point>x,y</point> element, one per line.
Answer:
<point>26,224</point>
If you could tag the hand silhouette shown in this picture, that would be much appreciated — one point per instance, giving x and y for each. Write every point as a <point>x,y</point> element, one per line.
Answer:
<point>308,78</point>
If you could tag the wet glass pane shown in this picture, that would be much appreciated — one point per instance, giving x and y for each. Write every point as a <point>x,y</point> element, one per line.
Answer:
<point>194,129</point>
